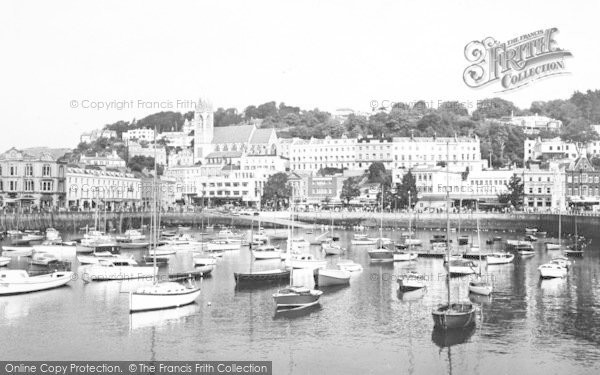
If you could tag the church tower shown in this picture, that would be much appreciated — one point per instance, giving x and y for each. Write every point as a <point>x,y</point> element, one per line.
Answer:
<point>203,130</point>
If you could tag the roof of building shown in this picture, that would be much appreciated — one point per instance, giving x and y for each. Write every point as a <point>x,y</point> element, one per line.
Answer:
<point>261,136</point>
<point>36,153</point>
<point>56,153</point>
<point>232,134</point>
<point>224,154</point>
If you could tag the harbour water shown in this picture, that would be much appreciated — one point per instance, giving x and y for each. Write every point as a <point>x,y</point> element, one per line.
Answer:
<point>526,326</point>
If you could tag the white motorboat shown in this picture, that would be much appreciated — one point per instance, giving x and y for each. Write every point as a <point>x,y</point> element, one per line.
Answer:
<point>299,245</point>
<point>131,235</point>
<point>96,257</point>
<point>95,237</point>
<point>499,258</point>
<point>32,236</point>
<point>41,258</point>
<point>58,249</point>
<point>228,234</point>
<point>349,265</point>
<point>305,261</point>
<point>21,251</point>
<point>200,261</point>
<point>381,255</point>
<point>266,252</point>
<point>331,277</point>
<point>531,230</point>
<point>363,239</point>
<point>53,235</point>
<point>461,267</point>
<point>223,245</point>
<point>4,261</point>
<point>404,256</point>
<point>163,296</point>
<point>332,248</point>
<point>561,261</point>
<point>109,269</point>
<point>411,281</point>
<point>552,246</point>
<point>19,281</point>
<point>552,270</point>
<point>413,242</point>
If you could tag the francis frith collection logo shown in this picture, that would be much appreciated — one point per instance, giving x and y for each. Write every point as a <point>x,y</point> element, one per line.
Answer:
<point>515,63</point>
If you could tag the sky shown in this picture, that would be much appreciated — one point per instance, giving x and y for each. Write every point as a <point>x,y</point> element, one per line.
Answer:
<point>63,60</point>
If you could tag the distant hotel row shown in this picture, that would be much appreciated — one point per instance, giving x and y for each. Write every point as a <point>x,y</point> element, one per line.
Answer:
<point>232,164</point>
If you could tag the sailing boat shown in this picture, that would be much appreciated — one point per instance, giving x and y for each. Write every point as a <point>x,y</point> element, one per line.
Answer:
<point>479,286</point>
<point>557,246</point>
<point>399,254</point>
<point>381,254</point>
<point>295,297</point>
<point>576,250</point>
<point>162,295</point>
<point>451,315</point>
<point>331,246</point>
<point>259,277</point>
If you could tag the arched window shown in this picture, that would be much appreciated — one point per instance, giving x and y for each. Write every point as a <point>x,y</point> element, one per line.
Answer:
<point>46,170</point>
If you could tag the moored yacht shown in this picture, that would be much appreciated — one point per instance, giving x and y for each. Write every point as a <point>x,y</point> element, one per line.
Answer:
<point>115,269</point>
<point>19,281</point>
<point>499,258</point>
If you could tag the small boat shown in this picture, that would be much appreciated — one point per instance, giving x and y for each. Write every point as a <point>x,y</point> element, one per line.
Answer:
<point>332,248</point>
<point>552,246</point>
<point>572,252</point>
<point>163,295</point>
<point>53,235</point>
<point>275,275</point>
<point>438,238</point>
<point>552,270</point>
<point>412,242</point>
<point>43,259</point>
<point>381,255</point>
<point>299,245</point>
<point>228,234</point>
<point>453,316</point>
<point>480,287</point>
<point>296,297</point>
<point>160,259</point>
<point>363,240</point>
<point>110,269</point>
<point>19,281</point>
<point>541,234</point>
<point>200,261</point>
<point>561,261</point>
<point>133,244</point>
<point>525,250</point>
<point>404,256</point>
<point>530,238</point>
<point>305,261</point>
<point>96,257</point>
<point>461,267</point>
<point>531,230</point>
<point>496,238</point>
<point>223,245</point>
<point>4,261</point>
<point>22,251</point>
<point>331,277</point>
<point>131,235</point>
<point>349,265</point>
<point>14,233</point>
<point>266,252</point>
<point>411,281</point>
<point>32,236</point>
<point>499,258</point>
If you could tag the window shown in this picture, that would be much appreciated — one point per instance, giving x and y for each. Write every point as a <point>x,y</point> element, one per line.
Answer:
<point>28,170</point>
<point>46,185</point>
<point>46,170</point>
<point>12,185</point>
<point>28,185</point>
<point>13,170</point>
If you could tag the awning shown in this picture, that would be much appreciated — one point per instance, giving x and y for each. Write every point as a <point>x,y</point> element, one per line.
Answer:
<point>46,198</point>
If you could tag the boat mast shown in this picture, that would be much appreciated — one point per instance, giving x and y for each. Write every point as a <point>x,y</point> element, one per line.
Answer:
<point>448,219</point>
<point>289,243</point>
<point>155,215</point>
<point>410,234</point>
<point>381,218</point>
<point>478,235</point>
<point>559,226</point>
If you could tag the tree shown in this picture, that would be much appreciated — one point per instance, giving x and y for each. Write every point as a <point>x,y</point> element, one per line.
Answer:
<point>138,163</point>
<point>407,187</point>
<point>350,189</point>
<point>276,190</point>
<point>376,172</point>
<point>514,196</point>
<point>579,132</point>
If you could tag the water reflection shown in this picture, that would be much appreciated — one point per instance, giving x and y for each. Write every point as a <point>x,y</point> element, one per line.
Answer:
<point>161,318</point>
<point>451,337</point>
<point>296,313</point>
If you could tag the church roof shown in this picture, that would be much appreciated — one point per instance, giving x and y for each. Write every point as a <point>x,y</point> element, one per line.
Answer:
<point>232,134</point>
<point>224,154</point>
<point>261,136</point>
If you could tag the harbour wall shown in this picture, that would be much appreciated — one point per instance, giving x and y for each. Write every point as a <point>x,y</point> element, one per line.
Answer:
<point>119,221</point>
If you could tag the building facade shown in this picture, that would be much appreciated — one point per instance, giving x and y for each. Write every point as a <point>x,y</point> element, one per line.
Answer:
<point>138,135</point>
<point>544,188</point>
<point>111,160</point>
<point>32,178</point>
<point>160,155</point>
<point>90,188</point>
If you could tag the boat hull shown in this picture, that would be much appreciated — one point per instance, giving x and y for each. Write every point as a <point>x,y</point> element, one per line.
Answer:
<point>481,289</point>
<point>459,316</point>
<point>296,300</point>
<point>262,277</point>
<point>327,277</point>
<point>492,259</point>
<point>407,284</point>
<point>36,283</point>
<point>262,255</point>
<point>147,302</point>
<point>101,273</point>
<point>381,256</point>
<point>552,272</point>
<point>405,257</point>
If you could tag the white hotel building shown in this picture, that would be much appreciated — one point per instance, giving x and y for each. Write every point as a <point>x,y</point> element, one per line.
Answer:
<point>138,135</point>
<point>87,188</point>
<point>395,153</point>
